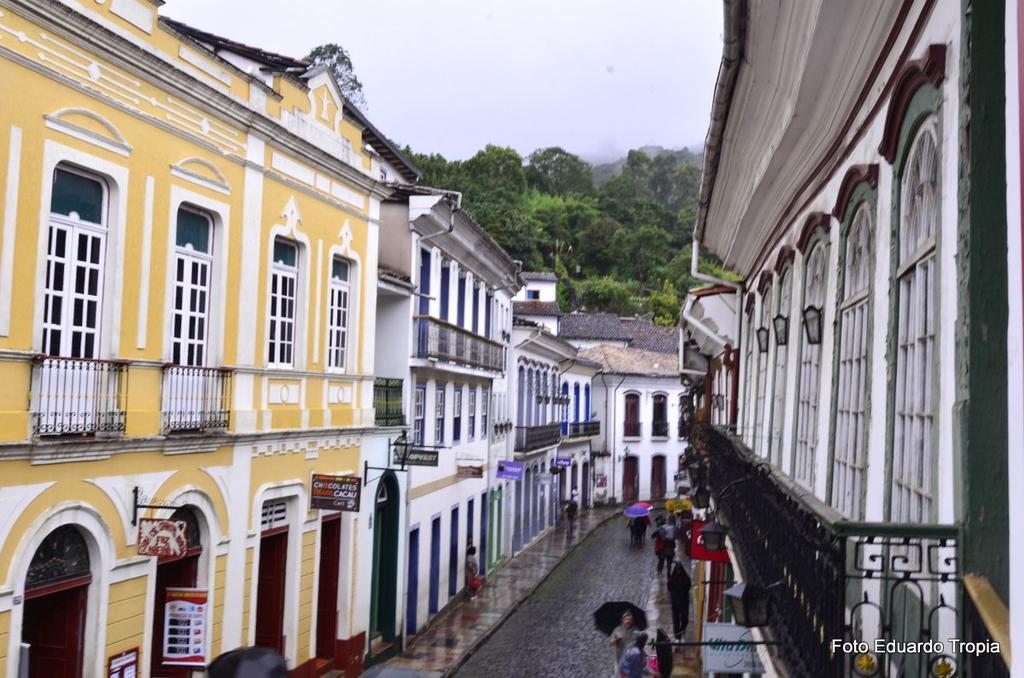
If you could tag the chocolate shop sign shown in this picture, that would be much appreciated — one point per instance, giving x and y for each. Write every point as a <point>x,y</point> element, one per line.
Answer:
<point>335,493</point>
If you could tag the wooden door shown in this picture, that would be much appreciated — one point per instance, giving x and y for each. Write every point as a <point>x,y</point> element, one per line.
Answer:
<point>53,625</point>
<point>435,565</point>
<point>270,589</point>
<point>412,586</point>
<point>586,484</point>
<point>630,479</point>
<point>484,539</point>
<point>180,573</point>
<point>327,598</point>
<point>658,477</point>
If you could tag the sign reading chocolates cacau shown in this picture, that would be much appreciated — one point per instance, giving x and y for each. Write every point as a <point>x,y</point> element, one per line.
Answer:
<point>335,493</point>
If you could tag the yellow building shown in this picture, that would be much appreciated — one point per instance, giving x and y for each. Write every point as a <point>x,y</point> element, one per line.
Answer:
<point>188,272</point>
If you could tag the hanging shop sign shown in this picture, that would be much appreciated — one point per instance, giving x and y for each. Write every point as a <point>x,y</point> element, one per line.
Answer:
<point>563,462</point>
<point>163,538</point>
<point>185,627</point>
<point>600,480</point>
<point>418,456</point>
<point>124,665</point>
<point>335,493</point>
<point>697,550</point>
<point>724,650</point>
<point>510,470</point>
<point>469,471</point>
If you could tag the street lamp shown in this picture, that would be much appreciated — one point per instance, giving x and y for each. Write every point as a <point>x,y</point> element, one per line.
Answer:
<point>812,324</point>
<point>762,339</point>
<point>781,324</point>
<point>713,535</point>
<point>750,604</point>
<point>702,497</point>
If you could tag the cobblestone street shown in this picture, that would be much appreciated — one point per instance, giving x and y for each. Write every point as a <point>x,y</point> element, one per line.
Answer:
<point>552,633</point>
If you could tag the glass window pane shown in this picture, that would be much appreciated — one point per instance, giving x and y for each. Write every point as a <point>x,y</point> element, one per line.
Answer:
<point>193,230</point>
<point>74,193</point>
<point>339,269</point>
<point>284,252</point>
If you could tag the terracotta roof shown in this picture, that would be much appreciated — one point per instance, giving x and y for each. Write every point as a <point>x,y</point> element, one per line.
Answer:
<point>270,59</point>
<point>534,307</point>
<point>650,337</point>
<point>632,361</point>
<point>545,276</point>
<point>578,325</point>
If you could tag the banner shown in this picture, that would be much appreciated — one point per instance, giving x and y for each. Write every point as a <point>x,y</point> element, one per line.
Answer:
<point>335,493</point>
<point>511,470</point>
<point>721,655</point>
<point>185,627</point>
<point>165,538</point>
<point>697,550</point>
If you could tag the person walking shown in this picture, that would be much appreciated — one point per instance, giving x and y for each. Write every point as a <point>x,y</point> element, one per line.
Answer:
<point>643,523</point>
<point>666,536</point>
<point>679,596</point>
<point>572,507</point>
<point>472,571</point>
<point>635,662</point>
<point>623,638</point>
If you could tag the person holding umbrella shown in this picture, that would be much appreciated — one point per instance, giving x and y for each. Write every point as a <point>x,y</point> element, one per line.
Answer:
<point>635,663</point>
<point>621,621</point>
<point>623,637</point>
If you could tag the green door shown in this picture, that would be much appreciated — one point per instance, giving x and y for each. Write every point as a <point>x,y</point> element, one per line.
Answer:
<point>385,559</point>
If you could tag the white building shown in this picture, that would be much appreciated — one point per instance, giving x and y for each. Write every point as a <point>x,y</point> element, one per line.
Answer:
<point>537,301</point>
<point>443,322</point>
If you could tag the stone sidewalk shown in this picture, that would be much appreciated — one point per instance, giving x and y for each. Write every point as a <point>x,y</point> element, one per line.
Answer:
<point>459,628</point>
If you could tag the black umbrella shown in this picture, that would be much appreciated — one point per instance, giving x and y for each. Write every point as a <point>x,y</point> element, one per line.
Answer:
<point>664,652</point>
<point>609,616</point>
<point>249,662</point>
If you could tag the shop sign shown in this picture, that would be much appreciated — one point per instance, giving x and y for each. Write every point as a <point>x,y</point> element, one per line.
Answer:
<point>185,627</point>
<point>601,480</point>
<point>563,462</point>
<point>469,471</point>
<point>417,456</point>
<point>335,493</point>
<point>697,550</point>
<point>124,665</point>
<point>510,470</point>
<point>725,652</point>
<point>164,538</point>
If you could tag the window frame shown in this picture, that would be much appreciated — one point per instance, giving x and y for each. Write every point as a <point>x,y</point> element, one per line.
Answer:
<point>471,398</point>
<point>457,396</point>
<point>283,272</point>
<point>440,413</point>
<point>807,447</point>
<point>780,365</point>
<point>761,441</point>
<point>204,259</point>
<point>419,413</point>
<point>338,357</point>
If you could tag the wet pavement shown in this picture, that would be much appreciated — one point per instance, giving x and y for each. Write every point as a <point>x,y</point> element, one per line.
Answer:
<point>517,628</point>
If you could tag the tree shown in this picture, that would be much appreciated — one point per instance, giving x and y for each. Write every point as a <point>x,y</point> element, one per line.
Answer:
<point>606,294</point>
<point>664,304</point>
<point>640,252</point>
<point>555,170</point>
<point>593,244</point>
<point>337,59</point>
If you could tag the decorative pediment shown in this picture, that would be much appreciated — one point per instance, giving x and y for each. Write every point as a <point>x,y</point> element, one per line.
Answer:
<point>326,103</point>
<point>292,217</point>
<point>202,172</point>
<point>929,69</point>
<point>786,256</point>
<point>816,222</point>
<point>345,236</point>
<point>88,126</point>
<point>764,282</point>
<point>854,176</point>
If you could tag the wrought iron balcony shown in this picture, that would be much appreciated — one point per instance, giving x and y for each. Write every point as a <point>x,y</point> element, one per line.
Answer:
<point>535,437</point>
<point>77,396</point>
<point>387,402</point>
<point>659,429</point>
<point>436,339</point>
<point>196,398</point>
<point>836,579</point>
<point>582,429</point>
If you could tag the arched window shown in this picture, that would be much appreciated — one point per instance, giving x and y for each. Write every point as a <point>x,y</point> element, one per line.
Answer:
<point>810,372</point>
<point>193,264</point>
<point>760,435</point>
<point>337,313</point>
<point>586,402</point>
<point>576,403</point>
<point>850,447</point>
<point>782,310</point>
<point>75,254</point>
<point>63,556</point>
<point>659,417</point>
<point>631,419</point>
<point>914,398</point>
<point>284,282</point>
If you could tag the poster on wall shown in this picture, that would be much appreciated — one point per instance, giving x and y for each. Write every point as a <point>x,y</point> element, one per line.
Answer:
<point>185,627</point>
<point>163,538</point>
<point>124,665</point>
<point>335,493</point>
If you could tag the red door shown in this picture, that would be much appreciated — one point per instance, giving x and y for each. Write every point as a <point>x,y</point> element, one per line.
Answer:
<point>270,589</point>
<point>657,477</point>
<point>180,573</point>
<point>53,625</point>
<point>630,479</point>
<point>327,601</point>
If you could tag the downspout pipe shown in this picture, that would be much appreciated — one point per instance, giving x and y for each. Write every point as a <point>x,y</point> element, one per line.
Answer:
<point>700,326</point>
<point>455,209</point>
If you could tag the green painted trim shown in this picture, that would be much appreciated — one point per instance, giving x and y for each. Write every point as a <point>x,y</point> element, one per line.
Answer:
<point>926,104</point>
<point>862,196</point>
<point>981,438</point>
<point>822,238</point>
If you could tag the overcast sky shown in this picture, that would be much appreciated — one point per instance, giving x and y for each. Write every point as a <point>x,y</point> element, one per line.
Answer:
<point>597,77</point>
